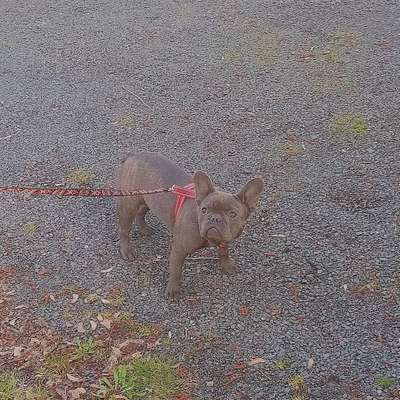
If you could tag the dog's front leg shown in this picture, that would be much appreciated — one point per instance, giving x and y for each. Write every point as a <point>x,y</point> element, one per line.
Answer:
<point>176,260</point>
<point>227,264</point>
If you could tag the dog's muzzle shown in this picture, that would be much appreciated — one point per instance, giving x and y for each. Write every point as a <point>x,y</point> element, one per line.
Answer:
<point>213,235</point>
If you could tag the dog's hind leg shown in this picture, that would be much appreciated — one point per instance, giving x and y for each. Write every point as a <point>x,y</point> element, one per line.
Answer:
<point>140,221</point>
<point>128,209</point>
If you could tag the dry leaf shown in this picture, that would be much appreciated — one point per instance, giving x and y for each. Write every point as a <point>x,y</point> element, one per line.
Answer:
<point>104,271</point>
<point>73,378</point>
<point>21,306</point>
<point>310,363</point>
<point>76,393</point>
<point>75,298</point>
<point>99,317</point>
<point>105,301</point>
<point>12,322</point>
<point>244,310</point>
<point>106,323</point>
<point>17,351</point>
<point>93,325</point>
<point>255,361</point>
<point>43,271</point>
<point>80,328</point>
<point>115,355</point>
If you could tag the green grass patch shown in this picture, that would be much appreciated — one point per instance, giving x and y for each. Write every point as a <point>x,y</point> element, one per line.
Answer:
<point>127,121</point>
<point>147,378</point>
<point>384,382</point>
<point>86,348</point>
<point>349,124</point>
<point>9,390</point>
<point>81,176</point>
<point>56,364</point>
<point>8,387</point>
<point>282,364</point>
<point>29,228</point>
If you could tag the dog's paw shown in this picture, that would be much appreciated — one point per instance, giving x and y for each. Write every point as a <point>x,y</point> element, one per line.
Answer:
<point>126,252</point>
<point>228,266</point>
<point>173,292</point>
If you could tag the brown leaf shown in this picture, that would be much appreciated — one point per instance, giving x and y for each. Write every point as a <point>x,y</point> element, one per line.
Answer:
<point>255,361</point>
<point>73,378</point>
<point>76,393</point>
<point>384,44</point>
<point>244,310</point>
<point>295,292</point>
<point>130,346</point>
<point>310,363</point>
<point>106,323</point>
<point>43,271</point>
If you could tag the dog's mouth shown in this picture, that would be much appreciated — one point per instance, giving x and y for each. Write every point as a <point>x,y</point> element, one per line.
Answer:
<point>213,236</point>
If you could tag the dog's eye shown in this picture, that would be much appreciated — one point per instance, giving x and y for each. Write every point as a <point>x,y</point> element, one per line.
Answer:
<point>232,214</point>
<point>204,210</point>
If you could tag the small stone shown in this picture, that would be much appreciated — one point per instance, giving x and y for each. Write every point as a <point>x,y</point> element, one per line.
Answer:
<point>210,383</point>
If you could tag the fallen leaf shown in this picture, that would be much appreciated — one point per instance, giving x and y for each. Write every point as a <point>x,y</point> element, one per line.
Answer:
<point>80,328</point>
<point>106,323</point>
<point>244,310</point>
<point>73,378</point>
<point>76,393</point>
<point>17,351</point>
<point>271,254</point>
<point>100,317</point>
<point>105,271</point>
<point>21,306</point>
<point>43,271</point>
<point>310,363</point>
<point>48,298</point>
<point>115,355</point>
<point>239,365</point>
<point>75,298</point>
<point>93,325</point>
<point>130,346</point>
<point>91,298</point>
<point>384,44</point>
<point>295,292</point>
<point>183,371</point>
<point>12,322</point>
<point>105,301</point>
<point>255,361</point>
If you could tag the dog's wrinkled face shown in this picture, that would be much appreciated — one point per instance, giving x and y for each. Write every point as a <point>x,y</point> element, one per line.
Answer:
<point>222,216</point>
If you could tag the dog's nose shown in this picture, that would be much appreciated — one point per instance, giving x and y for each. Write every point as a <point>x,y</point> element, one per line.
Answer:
<point>213,219</point>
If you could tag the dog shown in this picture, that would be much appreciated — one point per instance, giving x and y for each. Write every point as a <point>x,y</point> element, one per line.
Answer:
<point>201,215</point>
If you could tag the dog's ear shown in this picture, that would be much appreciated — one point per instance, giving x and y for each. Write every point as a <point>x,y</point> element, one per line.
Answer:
<point>203,185</point>
<point>251,192</point>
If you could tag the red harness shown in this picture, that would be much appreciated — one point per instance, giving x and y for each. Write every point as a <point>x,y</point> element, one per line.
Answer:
<point>182,194</point>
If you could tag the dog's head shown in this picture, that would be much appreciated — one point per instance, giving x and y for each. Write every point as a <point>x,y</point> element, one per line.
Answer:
<point>222,216</point>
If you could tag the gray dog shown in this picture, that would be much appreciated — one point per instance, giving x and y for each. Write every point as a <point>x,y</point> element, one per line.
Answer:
<point>211,218</point>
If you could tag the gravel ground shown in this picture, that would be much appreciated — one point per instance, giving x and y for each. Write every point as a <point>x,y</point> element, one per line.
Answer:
<point>234,88</point>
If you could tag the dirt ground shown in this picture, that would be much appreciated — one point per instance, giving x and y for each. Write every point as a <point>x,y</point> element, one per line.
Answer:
<point>305,93</point>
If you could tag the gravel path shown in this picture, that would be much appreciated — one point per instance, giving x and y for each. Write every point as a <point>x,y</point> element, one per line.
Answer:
<point>305,93</point>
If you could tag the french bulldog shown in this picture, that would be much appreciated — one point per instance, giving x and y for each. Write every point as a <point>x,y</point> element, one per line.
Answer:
<point>213,218</point>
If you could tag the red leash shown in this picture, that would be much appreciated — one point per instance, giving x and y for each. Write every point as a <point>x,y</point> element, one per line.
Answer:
<point>77,192</point>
